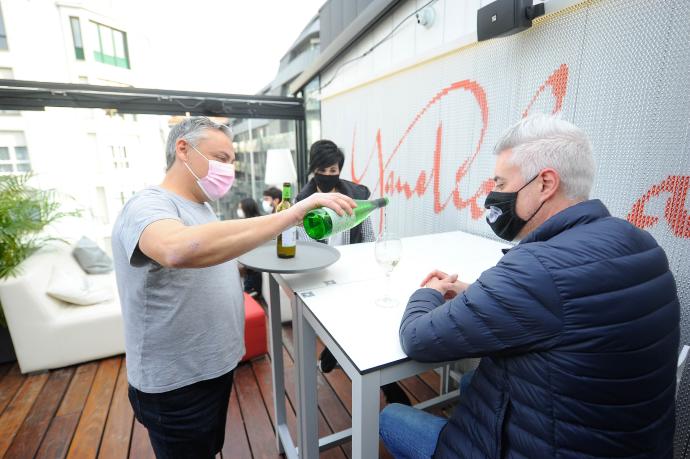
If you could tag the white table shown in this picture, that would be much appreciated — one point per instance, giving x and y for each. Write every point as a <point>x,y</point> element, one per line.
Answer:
<point>338,305</point>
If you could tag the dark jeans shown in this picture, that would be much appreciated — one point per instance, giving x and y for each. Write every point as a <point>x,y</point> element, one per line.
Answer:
<point>409,433</point>
<point>188,422</point>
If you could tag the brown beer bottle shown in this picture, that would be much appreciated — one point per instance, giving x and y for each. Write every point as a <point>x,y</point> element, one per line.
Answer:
<point>287,244</point>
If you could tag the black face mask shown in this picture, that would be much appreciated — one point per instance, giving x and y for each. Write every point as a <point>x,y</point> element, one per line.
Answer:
<point>326,182</point>
<point>502,218</point>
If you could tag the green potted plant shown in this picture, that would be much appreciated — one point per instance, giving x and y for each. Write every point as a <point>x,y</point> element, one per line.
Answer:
<point>25,212</point>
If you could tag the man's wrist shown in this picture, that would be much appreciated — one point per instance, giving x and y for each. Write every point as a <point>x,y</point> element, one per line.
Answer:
<point>440,292</point>
<point>433,290</point>
<point>295,215</point>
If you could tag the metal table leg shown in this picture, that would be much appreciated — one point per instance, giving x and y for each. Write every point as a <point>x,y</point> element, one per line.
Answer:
<point>365,415</point>
<point>276,348</point>
<point>307,405</point>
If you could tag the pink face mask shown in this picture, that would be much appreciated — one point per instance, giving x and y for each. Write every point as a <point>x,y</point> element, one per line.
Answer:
<point>219,179</point>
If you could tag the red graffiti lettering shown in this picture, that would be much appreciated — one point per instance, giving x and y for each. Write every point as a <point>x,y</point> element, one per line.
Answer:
<point>559,85</point>
<point>675,213</point>
<point>389,182</point>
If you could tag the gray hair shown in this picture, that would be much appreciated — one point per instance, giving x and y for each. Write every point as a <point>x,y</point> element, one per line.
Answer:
<point>192,130</point>
<point>540,141</point>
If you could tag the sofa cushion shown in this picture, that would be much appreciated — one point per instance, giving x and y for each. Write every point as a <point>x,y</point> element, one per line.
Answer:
<point>77,288</point>
<point>254,329</point>
<point>92,258</point>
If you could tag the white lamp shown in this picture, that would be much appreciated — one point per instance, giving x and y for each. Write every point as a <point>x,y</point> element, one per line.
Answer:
<point>280,167</point>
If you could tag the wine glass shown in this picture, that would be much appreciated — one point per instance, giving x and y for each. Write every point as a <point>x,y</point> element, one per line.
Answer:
<point>388,250</point>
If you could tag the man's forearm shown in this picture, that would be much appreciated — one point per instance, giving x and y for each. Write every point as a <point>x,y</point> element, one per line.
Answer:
<point>177,246</point>
<point>213,243</point>
<point>421,304</point>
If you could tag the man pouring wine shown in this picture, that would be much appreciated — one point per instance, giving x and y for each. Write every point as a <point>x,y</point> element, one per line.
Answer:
<point>180,290</point>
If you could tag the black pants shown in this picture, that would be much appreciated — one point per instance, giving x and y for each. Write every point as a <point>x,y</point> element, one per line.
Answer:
<point>252,281</point>
<point>188,422</point>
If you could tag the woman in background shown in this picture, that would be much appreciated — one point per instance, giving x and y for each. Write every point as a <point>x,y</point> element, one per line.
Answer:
<point>248,208</point>
<point>325,163</point>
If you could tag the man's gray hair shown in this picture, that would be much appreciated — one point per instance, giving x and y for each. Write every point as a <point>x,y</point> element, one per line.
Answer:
<point>192,130</point>
<point>540,141</point>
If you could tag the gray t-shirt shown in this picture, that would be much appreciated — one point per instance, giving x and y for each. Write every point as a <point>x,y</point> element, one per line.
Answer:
<point>181,325</point>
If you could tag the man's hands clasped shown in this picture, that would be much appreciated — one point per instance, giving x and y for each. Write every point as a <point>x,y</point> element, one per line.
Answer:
<point>447,285</point>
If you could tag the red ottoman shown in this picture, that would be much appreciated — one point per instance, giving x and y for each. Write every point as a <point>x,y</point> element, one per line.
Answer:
<point>254,329</point>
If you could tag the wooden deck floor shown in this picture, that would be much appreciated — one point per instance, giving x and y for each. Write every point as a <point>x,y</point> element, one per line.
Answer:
<point>83,411</point>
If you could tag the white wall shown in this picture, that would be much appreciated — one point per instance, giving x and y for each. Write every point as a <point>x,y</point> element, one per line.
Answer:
<point>410,45</point>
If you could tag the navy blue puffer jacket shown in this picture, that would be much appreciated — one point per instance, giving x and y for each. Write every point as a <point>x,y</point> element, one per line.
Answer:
<point>578,327</point>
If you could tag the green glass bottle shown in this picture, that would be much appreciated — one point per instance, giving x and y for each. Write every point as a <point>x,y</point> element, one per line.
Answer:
<point>324,222</point>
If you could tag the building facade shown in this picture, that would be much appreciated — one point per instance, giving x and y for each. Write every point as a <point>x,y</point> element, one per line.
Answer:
<point>95,159</point>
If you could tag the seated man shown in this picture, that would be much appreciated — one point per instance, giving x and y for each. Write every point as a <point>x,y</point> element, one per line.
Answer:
<point>578,324</point>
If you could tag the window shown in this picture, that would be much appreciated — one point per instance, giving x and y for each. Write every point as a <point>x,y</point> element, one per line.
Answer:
<point>120,49</point>
<point>111,45</point>
<point>312,105</point>
<point>3,33</point>
<point>119,157</point>
<point>22,155</point>
<point>14,159</point>
<point>76,37</point>
<point>5,165</point>
<point>125,195</point>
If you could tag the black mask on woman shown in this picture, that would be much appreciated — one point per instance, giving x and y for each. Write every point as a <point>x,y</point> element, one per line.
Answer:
<point>503,218</point>
<point>326,182</point>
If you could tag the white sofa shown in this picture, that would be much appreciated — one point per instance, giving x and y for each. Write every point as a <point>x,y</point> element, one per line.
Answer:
<point>49,333</point>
